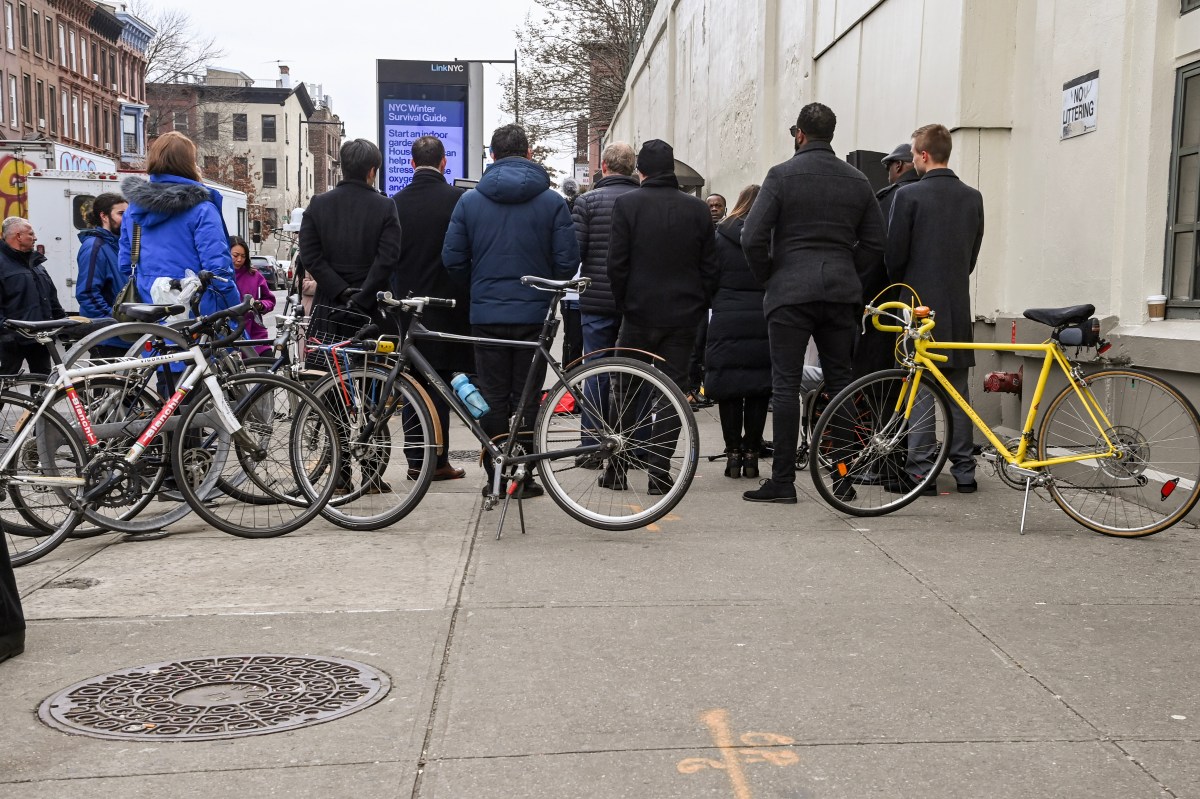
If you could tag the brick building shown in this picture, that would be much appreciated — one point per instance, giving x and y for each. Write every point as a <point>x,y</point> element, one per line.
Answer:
<point>73,72</point>
<point>325,134</point>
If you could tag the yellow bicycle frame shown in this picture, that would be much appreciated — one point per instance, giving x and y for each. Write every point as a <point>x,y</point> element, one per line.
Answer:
<point>1052,351</point>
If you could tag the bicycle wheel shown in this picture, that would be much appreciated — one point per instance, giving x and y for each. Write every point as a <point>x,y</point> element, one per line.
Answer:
<point>289,469</point>
<point>863,448</point>
<point>644,420</point>
<point>1152,483</point>
<point>386,474</point>
<point>40,483</point>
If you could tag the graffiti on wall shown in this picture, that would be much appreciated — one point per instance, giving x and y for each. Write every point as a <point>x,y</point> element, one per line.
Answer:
<point>76,162</point>
<point>14,187</point>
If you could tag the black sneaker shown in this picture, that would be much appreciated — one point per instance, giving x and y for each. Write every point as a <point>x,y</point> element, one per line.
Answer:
<point>613,480</point>
<point>530,490</point>
<point>843,489</point>
<point>771,491</point>
<point>659,486</point>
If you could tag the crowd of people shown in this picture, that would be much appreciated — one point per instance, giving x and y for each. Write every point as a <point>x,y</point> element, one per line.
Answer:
<point>729,298</point>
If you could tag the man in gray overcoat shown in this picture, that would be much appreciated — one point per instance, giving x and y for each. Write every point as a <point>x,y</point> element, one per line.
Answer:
<point>934,236</point>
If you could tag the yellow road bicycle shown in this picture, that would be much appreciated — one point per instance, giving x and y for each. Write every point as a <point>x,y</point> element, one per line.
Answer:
<point>1117,449</point>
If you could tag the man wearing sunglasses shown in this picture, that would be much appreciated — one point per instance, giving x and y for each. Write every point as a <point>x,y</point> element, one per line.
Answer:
<point>813,233</point>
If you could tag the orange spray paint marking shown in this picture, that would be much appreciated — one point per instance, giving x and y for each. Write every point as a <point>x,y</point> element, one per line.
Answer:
<point>760,747</point>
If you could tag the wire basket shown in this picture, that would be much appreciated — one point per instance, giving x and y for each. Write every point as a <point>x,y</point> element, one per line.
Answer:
<point>327,328</point>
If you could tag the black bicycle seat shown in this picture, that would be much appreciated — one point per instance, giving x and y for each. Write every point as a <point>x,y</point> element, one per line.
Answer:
<point>147,312</point>
<point>1057,317</point>
<point>43,326</point>
<point>543,283</point>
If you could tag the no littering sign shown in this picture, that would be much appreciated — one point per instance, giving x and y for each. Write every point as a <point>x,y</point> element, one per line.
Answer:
<point>1079,105</point>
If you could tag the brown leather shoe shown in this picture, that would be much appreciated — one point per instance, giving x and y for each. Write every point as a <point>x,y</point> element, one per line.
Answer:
<point>449,473</point>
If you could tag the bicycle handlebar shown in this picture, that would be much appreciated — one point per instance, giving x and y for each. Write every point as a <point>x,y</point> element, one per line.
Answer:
<point>922,330</point>
<point>414,303</point>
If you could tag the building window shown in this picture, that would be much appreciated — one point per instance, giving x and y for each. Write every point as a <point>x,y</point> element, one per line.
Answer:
<point>103,66</point>
<point>83,51</point>
<point>8,26</point>
<point>211,128</point>
<point>241,168</point>
<point>49,39</point>
<point>180,121</point>
<point>71,42</point>
<point>96,66</point>
<point>52,105</point>
<point>27,96</point>
<point>1183,222</point>
<point>41,104</point>
<point>268,127</point>
<point>87,127</point>
<point>14,116</point>
<point>112,68</point>
<point>129,141</point>
<point>62,45</point>
<point>23,22</point>
<point>75,117</point>
<point>1189,5</point>
<point>239,127</point>
<point>270,177</point>
<point>37,33</point>
<point>210,167</point>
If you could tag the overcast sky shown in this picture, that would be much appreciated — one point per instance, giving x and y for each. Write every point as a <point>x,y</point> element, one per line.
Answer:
<point>336,44</point>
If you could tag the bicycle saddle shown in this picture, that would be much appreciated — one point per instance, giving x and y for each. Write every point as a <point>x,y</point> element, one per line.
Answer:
<point>147,312</point>
<point>555,285</point>
<point>44,325</point>
<point>1057,317</point>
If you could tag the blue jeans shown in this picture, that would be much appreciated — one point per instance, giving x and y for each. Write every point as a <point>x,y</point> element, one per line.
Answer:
<point>599,332</point>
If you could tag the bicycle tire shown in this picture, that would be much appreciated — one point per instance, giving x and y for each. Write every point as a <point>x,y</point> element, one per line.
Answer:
<point>858,458</point>
<point>291,428</point>
<point>405,431</point>
<point>1158,433</point>
<point>645,397</point>
<point>58,453</point>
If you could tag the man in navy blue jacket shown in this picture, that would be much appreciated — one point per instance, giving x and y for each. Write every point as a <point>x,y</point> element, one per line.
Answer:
<point>100,276</point>
<point>510,226</point>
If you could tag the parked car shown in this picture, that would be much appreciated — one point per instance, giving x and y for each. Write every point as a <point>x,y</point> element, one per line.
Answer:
<point>269,267</point>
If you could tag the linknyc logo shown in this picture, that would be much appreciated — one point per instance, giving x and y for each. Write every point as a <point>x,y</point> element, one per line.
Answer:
<point>447,67</point>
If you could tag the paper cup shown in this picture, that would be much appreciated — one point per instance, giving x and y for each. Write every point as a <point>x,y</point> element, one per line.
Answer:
<point>1157,305</point>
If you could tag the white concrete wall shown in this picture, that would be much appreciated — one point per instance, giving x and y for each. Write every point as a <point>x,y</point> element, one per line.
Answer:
<point>1081,220</point>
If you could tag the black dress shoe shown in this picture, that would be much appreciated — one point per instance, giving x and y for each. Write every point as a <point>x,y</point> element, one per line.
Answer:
<point>968,488</point>
<point>843,489</point>
<point>771,491</point>
<point>906,483</point>
<point>659,486</point>
<point>613,480</point>
<point>12,644</point>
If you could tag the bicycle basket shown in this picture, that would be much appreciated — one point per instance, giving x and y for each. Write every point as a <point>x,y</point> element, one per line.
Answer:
<point>327,327</point>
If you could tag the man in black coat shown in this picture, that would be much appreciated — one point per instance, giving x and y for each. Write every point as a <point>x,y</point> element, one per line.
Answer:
<point>662,264</point>
<point>350,236</point>
<point>424,207</point>
<point>934,236</point>
<point>814,233</point>
<point>877,350</point>
<point>26,293</point>
<point>599,317</point>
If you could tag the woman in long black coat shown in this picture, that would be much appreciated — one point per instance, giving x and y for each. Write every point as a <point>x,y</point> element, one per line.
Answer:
<point>738,357</point>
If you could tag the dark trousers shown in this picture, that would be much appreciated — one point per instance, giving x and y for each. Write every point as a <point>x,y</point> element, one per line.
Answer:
<point>572,345</point>
<point>742,422</point>
<point>674,344</point>
<point>922,441</point>
<point>599,333</point>
<point>14,355</point>
<point>696,362</point>
<point>834,326</point>
<point>500,374</point>
<point>12,619</point>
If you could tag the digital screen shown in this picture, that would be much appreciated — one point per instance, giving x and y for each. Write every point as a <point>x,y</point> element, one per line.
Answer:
<point>404,120</point>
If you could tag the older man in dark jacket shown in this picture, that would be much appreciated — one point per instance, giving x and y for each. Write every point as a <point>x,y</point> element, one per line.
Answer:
<point>510,226</point>
<point>424,207</point>
<point>662,263</point>
<point>814,233</point>
<point>601,321</point>
<point>26,293</point>
<point>934,236</point>
<point>350,236</point>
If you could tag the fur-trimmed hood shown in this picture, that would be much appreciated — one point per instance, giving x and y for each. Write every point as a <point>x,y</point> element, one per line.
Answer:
<point>163,196</point>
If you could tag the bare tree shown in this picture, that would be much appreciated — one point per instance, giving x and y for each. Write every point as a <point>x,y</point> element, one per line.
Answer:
<point>177,53</point>
<point>575,56</point>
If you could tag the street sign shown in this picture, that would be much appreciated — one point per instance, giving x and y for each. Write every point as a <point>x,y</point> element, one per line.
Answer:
<point>1079,105</point>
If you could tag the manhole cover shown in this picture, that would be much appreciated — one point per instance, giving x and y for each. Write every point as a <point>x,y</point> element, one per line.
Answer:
<point>217,697</point>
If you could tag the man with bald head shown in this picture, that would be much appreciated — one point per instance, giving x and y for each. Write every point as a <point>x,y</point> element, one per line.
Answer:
<point>26,293</point>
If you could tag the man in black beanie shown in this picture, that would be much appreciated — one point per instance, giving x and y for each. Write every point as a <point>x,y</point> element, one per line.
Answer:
<point>662,265</point>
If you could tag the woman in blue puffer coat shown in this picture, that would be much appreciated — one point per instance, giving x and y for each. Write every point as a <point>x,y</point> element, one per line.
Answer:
<point>180,221</point>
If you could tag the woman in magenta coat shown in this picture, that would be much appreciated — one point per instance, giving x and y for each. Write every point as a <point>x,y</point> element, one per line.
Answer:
<point>251,282</point>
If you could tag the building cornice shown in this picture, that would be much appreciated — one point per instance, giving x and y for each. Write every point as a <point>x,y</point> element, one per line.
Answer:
<point>137,32</point>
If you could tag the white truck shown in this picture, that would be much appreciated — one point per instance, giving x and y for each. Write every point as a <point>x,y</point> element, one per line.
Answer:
<point>56,202</point>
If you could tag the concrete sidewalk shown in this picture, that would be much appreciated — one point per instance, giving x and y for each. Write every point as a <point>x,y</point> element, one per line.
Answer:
<point>736,650</point>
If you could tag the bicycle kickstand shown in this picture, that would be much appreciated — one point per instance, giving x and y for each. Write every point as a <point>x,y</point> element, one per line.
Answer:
<point>1025,506</point>
<point>508,495</point>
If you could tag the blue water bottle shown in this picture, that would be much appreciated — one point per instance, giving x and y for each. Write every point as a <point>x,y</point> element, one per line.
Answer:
<point>470,395</point>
